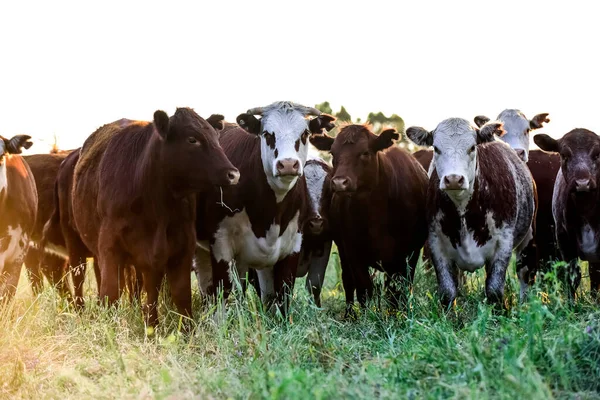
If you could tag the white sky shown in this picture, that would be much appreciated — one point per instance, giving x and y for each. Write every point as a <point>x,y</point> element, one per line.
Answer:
<point>67,67</point>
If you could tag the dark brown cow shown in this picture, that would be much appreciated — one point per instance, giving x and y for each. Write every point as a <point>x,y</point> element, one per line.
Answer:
<point>18,209</point>
<point>317,239</point>
<point>134,200</point>
<point>45,170</point>
<point>575,203</point>
<point>377,210</point>
<point>424,157</point>
<point>480,204</point>
<point>257,223</point>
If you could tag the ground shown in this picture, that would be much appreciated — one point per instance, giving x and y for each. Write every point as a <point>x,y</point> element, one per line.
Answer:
<point>545,348</point>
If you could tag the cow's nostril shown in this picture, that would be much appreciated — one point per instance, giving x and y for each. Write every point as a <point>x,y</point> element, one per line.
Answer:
<point>461,180</point>
<point>280,165</point>
<point>233,176</point>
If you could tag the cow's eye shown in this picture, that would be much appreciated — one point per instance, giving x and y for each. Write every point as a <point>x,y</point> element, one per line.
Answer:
<point>436,150</point>
<point>471,149</point>
<point>192,140</point>
<point>365,154</point>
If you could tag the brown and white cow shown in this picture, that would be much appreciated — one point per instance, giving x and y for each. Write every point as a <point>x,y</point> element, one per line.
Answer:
<point>316,239</point>
<point>52,265</point>
<point>480,204</point>
<point>257,223</point>
<point>18,209</point>
<point>575,203</point>
<point>377,210</point>
<point>134,200</point>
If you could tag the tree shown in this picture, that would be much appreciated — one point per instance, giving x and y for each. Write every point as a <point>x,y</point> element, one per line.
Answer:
<point>324,107</point>
<point>343,115</point>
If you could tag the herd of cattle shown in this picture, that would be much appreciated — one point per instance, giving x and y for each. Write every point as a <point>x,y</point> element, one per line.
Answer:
<point>149,200</point>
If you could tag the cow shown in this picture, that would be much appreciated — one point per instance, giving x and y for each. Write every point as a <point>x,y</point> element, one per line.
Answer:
<point>316,239</point>
<point>544,167</point>
<point>480,204</point>
<point>18,210</point>
<point>424,157</point>
<point>257,223</point>
<point>575,202</point>
<point>53,265</point>
<point>134,190</point>
<point>377,210</point>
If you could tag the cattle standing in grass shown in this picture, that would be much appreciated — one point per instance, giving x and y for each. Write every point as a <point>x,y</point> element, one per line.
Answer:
<point>316,240</point>
<point>18,209</point>
<point>377,210</point>
<point>134,200</point>
<point>52,265</point>
<point>257,223</point>
<point>575,203</point>
<point>543,167</point>
<point>480,204</point>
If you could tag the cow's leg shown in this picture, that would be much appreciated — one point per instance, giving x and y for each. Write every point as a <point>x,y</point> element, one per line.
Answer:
<point>56,273</point>
<point>496,273</point>
<point>220,271</point>
<point>266,281</point>
<point>594,269</point>
<point>9,280</point>
<point>284,273</point>
<point>347,280</point>
<point>571,274</point>
<point>152,282</point>
<point>399,278</point>
<point>178,276</point>
<point>33,261</point>
<point>363,283</point>
<point>316,273</point>
<point>527,261</point>
<point>77,262</point>
<point>446,272</point>
<point>203,270</point>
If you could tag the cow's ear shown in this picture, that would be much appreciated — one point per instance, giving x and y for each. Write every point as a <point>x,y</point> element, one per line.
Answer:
<point>538,121</point>
<point>546,143</point>
<point>216,121</point>
<point>420,136</point>
<point>16,144</point>
<point>322,142</point>
<point>249,123</point>
<point>384,140</point>
<point>487,132</point>
<point>481,120</point>
<point>161,123</point>
<point>323,121</point>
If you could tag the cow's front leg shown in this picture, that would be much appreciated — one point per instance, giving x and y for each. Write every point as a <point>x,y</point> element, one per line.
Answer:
<point>284,274</point>
<point>496,274</point>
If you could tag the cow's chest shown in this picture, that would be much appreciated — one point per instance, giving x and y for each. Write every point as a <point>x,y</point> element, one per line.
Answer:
<point>235,240</point>
<point>13,245</point>
<point>465,246</point>
<point>587,242</point>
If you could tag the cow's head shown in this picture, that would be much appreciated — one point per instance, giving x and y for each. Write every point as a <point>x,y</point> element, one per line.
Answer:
<point>284,131</point>
<point>580,158</point>
<point>355,156</point>
<point>192,157</point>
<point>7,147</point>
<point>316,173</point>
<point>454,144</point>
<point>517,128</point>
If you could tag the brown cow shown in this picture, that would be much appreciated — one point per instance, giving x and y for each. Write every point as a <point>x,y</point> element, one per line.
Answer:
<point>377,209</point>
<point>575,202</point>
<point>18,209</point>
<point>45,170</point>
<point>134,200</point>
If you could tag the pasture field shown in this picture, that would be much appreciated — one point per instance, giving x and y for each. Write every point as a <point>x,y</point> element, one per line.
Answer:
<point>542,349</point>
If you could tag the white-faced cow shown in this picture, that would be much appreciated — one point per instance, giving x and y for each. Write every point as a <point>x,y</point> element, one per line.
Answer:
<point>575,203</point>
<point>377,210</point>
<point>18,209</point>
<point>480,204</point>
<point>134,200</point>
<point>257,223</point>
<point>317,239</point>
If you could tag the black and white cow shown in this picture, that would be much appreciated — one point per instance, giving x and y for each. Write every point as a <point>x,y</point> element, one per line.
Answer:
<point>480,204</point>
<point>317,238</point>
<point>18,210</point>
<point>257,224</point>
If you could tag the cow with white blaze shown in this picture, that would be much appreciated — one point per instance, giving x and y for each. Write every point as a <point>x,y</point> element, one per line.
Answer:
<point>480,204</point>
<point>257,224</point>
<point>18,210</point>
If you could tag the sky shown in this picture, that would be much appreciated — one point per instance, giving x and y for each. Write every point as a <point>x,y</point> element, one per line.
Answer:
<point>68,67</point>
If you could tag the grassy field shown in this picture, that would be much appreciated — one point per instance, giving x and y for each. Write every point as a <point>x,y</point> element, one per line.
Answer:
<point>543,349</point>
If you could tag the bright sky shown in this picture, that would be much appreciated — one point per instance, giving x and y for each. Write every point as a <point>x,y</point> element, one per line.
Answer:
<point>67,67</point>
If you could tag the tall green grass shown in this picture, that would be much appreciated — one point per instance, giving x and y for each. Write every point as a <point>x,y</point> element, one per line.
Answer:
<point>544,348</point>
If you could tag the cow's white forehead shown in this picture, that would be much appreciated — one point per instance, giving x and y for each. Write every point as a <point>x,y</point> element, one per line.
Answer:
<point>515,122</point>
<point>284,122</point>
<point>454,133</point>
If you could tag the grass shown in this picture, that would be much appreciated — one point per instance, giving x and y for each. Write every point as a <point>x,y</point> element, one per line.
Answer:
<point>545,348</point>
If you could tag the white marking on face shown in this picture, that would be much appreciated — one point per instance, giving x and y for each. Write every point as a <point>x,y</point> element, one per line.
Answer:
<point>589,243</point>
<point>516,126</point>
<point>315,180</point>
<point>235,240</point>
<point>14,250</point>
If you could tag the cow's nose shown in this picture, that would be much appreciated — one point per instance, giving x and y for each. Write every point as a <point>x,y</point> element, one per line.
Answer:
<point>288,166</point>
<point>454,182</point>
<point>315,225</point>
<point>522,155</point>
<point>233,176</point>
<point>582,185</point>
<point>340,183</point>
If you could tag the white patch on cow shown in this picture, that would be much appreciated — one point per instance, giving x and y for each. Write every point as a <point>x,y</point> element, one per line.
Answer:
<point>516,126</point>
<point>3,176</point>
<point>266,279</point>
<point>315,179</point>
<point>14,250</point>
<point>589,243</point>
<point>235,240</point>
